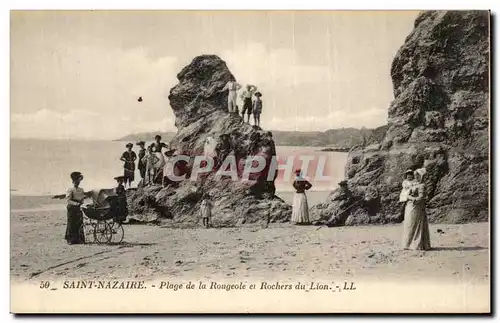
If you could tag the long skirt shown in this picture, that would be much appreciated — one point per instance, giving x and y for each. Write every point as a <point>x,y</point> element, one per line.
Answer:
<point>416,235</point>
<point>300,209</point>
<point>74,227</point>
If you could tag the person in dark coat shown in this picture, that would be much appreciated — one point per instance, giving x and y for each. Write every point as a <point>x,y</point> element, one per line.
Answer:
<point>128,157</point>
<point>122,208</point>
<point>74,197</point>
<point>141,165</point>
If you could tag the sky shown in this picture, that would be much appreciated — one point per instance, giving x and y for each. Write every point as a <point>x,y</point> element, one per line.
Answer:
<point>78,74</point>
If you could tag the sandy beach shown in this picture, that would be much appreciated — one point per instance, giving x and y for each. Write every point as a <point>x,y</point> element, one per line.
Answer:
<point>282,251</point>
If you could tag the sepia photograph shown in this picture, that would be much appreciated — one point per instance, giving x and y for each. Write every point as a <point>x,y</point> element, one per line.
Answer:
<point>250,161</point>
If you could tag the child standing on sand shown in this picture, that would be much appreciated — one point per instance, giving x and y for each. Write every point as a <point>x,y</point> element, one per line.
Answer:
<point>206,210</point>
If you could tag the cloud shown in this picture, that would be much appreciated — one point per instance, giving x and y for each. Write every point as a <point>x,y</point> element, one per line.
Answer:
<point>89,92</point>
<point>270,68</point>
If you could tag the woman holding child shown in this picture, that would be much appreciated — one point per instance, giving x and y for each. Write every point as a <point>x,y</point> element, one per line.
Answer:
<point>416,235</point>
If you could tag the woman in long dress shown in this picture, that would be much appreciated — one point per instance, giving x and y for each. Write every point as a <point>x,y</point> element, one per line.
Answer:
<point>416,235</point>
<point>75,197</point>
<point>300,208</point>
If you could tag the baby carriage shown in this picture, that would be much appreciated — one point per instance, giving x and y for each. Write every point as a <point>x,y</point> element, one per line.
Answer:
<point>103,218</point>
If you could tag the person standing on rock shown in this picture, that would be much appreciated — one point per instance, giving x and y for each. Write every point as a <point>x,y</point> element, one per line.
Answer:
<point>246,96</point>
<point>300,208</point>
<point>128,157</point>
<point>257,109</point>
<point>168,168</point>
<point>150,160</point>
<point>232,87</point>
<point>416,234</point>
<point>140,163</point>
<point>158,145</point>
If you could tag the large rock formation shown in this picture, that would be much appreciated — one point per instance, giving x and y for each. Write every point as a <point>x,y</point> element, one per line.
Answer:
<point>438,119</point>
<point>201,112</point>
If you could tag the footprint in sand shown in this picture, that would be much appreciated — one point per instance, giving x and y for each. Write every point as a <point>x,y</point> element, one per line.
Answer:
<point>83,264</point>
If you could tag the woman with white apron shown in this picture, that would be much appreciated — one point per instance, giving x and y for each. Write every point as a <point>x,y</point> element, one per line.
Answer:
<point>300,208</point>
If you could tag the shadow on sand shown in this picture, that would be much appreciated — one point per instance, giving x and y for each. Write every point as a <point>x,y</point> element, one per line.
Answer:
<point>458,248</point>
<point>132,244</point>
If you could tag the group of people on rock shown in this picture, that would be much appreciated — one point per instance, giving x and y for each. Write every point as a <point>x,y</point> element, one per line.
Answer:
<point>252,101</point>
<point>151,162</point>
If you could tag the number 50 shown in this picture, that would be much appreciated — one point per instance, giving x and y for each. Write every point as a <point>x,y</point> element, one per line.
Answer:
<point>44,284</point>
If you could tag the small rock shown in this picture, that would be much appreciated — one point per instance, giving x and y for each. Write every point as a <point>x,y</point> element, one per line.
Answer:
<point>440,231</point>
<point>178,262</point>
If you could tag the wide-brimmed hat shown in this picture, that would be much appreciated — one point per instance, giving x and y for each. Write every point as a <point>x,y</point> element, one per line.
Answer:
<point>140,143</point>
<point>258,94</point>
<point>76,175</point>
<point>129,145</point>
<point>118,178</point>
<point>408,171</point>
<point>343,183</point>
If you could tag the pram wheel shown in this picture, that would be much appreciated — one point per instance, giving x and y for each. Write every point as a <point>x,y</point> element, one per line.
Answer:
<point>117,232</point>
<point>102,232</point>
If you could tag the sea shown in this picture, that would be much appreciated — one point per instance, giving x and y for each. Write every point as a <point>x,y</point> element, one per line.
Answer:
<point>42,167</point>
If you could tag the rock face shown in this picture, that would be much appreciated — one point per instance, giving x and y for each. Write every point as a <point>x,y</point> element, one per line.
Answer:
<point>439,119</point>
<point>202,117</point>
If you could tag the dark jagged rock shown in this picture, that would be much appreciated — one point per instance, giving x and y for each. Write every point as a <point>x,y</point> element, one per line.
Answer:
<point>201,112</point>
<point>438,119</point>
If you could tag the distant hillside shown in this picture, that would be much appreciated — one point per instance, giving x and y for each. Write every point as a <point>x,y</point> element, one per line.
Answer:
<point>343,138</point>
<point>147,136</point>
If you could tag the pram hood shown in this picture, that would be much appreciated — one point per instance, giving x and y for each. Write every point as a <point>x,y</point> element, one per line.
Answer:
<point>100,196</point>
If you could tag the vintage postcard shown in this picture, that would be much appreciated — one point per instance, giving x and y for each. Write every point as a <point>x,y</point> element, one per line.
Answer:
<point>250,161</point>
